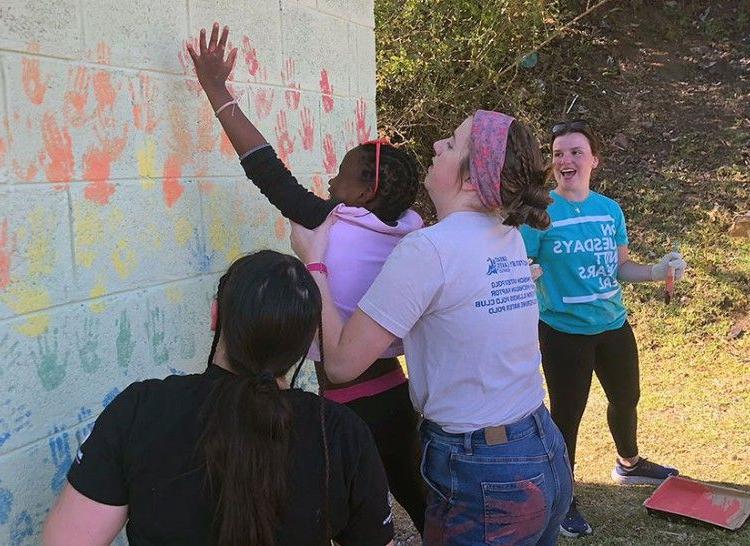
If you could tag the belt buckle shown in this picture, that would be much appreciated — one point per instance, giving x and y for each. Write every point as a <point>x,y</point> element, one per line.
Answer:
<point>495,435</point>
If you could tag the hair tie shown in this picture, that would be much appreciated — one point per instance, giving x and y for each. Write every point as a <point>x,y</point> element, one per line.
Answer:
<point>265,377</point>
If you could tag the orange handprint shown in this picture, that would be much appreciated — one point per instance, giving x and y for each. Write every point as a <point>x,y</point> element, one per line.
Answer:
<point>59,150</point>
<point>142,99</point>
<point>307,132</point>
<point>330,163</point>
<point>33,84</point>
<point>327,90</point>
<point>75,101</point>
<point>292,94</point>
<point>284,143</point>
<point>317,187</point>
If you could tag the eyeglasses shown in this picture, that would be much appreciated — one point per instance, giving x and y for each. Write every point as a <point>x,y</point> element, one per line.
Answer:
<point>565,126</point>
<point>378,142</point>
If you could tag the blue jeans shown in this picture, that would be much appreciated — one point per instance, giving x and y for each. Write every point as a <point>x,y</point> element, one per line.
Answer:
<point>502,492</point>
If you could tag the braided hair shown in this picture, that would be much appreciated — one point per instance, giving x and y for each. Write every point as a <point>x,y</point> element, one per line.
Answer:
<point>398,179</point>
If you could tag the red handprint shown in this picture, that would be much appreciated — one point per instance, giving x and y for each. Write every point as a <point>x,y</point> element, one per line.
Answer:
<point>292,94</point>
<point>307,132</point>
<point>31,76</point>
<point>6,249</point>
<point>330,163</point>
<point>74,104</point>
<point>284,143</point>
<point>250,56</point>
<point>317,187</point>
<point>187,65</point>
<point>59,150</point>
<point>363,132</point>
<point>263,100</point>
<point>327,91</point>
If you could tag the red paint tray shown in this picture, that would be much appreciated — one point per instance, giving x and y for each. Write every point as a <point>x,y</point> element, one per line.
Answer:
<point>721,506</point>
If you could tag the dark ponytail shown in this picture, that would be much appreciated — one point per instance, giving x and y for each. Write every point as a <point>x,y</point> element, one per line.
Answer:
<point>524,197</point>
<point>269,307</point>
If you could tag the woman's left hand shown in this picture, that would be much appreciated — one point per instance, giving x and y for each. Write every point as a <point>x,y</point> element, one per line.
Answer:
<point>310,245</point>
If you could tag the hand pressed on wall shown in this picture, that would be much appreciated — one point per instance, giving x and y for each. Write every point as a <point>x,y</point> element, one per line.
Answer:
<point>210,66</point>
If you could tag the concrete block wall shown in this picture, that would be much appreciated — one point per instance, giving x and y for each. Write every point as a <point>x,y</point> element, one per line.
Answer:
<point>121,202</point>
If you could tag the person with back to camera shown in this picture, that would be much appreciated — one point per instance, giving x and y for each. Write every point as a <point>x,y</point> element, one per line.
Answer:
<point>371,194</point>
<point>460,295</point>
<point>584,327</point>
<point>232,456</point>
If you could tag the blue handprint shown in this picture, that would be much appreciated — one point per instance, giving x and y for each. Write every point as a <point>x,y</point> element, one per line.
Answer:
<point>19,418</point>
<point>59,447</point>
<point>21,529</point>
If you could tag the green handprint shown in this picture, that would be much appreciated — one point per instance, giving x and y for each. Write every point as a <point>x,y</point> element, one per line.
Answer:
<point>90,360</point>
<point>125,342</point>
<point>155,331</point>
<point>49,367</point>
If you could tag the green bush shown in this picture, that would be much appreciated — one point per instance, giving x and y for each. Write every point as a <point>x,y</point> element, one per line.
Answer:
<point>439,60</point>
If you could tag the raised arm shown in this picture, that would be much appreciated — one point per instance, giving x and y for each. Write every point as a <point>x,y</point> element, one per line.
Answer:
<point>263,167</point>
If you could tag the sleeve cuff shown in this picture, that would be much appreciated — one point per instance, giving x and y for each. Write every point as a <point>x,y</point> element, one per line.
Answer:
<point>251,151</point>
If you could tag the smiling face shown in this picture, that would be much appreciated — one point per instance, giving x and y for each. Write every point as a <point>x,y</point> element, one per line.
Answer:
<point>572,163</point>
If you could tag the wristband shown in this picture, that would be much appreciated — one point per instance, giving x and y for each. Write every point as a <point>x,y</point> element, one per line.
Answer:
<point>317,266</point>
<point>232,103</point>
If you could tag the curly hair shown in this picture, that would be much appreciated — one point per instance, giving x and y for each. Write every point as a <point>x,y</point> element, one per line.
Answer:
<point>398,180</point>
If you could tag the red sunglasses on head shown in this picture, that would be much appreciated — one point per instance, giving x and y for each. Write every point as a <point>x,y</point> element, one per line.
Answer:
<point>378,142</point>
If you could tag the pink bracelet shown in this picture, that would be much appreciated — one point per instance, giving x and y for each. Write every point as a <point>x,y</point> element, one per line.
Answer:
<point>317,266</point>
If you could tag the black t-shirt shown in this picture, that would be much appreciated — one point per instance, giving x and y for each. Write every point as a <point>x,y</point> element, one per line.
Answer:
<point>143,453</point>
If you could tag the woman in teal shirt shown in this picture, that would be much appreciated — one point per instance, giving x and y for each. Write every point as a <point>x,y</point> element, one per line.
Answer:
<point>583,324</point>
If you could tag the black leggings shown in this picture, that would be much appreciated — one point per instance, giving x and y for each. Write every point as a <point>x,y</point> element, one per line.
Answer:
<point>393,423</point>
<point>568,361</point>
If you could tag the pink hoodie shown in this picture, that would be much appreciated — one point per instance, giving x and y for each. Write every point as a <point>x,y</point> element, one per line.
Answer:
<point>359,244</point>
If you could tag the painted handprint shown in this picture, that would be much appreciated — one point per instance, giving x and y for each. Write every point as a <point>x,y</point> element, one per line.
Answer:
<point>21,529</point>
<point>60,457</point>
<point>307,131</point>
<point>50,365</point>
<point>187,65</point>
<point>263,101</point>
<point>82,433</point>
<point>318,188</point>
<point>124,343</point>
<point>7,246</point>
<point>142,99</point>
<point>59,150</point>
<point>292,94</point>
<point>76,99</point>
<point>284,143</point>
<point>17,419</point>
<point>251,56</point>
<point>87,349</point>
<point>363,132</point>
<point>330,163</point>
<point>34,84</point>
<point>326,89</point>
<point>156,336</point>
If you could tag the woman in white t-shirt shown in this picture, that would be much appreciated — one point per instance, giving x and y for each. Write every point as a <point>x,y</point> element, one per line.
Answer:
<point>460,294</point>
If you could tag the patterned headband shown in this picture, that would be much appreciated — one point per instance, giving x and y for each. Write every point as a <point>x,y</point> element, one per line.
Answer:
<point>489,138</point>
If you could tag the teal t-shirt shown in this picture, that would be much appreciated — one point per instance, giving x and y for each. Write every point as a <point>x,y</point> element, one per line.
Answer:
<point>579,292</point>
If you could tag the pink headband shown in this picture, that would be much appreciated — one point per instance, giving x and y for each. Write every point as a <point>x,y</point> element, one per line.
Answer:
<point>489,137</point>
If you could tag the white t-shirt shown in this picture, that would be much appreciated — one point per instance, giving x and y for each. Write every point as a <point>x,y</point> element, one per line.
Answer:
<point>460,295</point>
